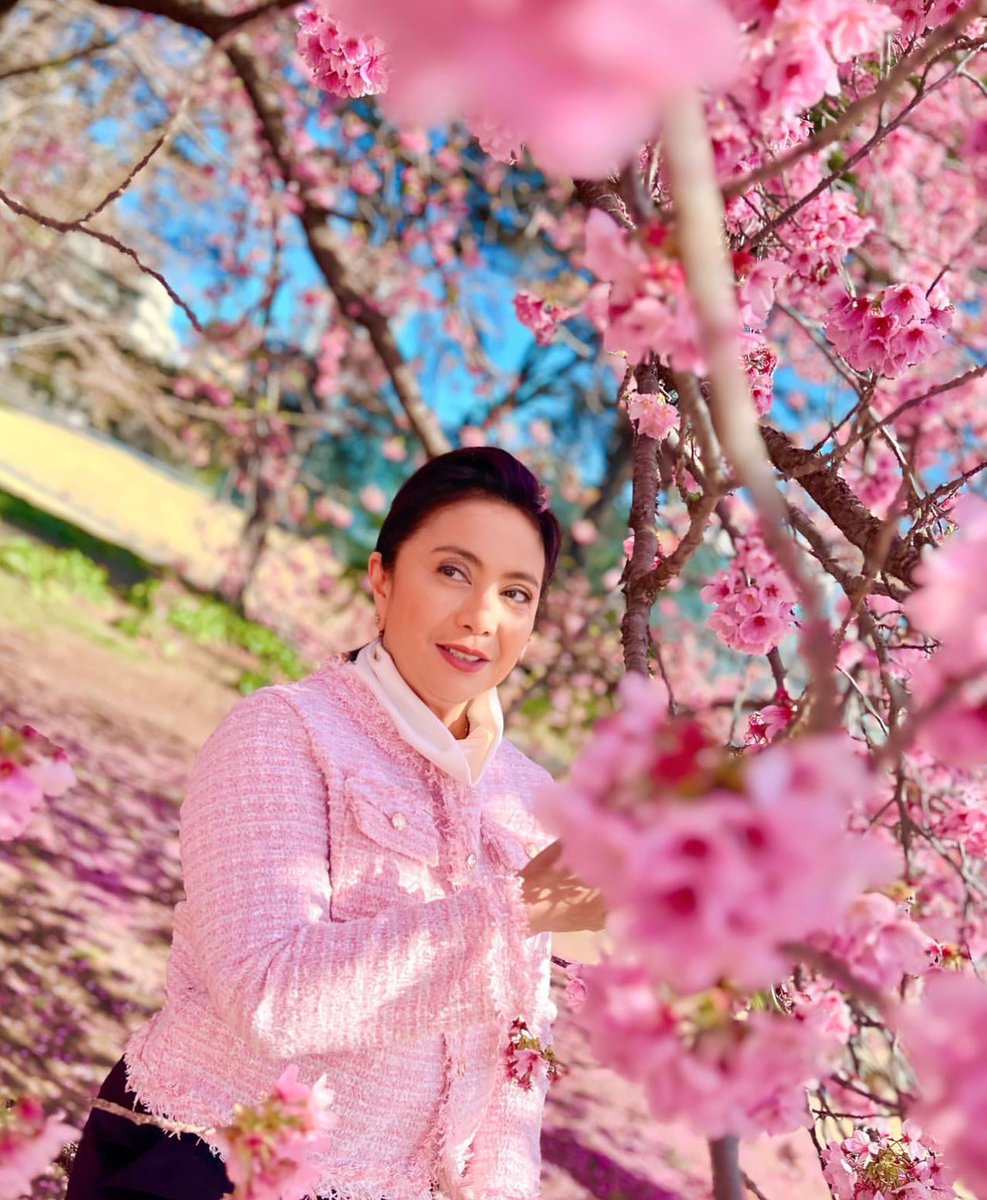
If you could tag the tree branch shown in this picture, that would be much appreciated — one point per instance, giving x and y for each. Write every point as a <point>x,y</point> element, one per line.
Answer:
<point>22,210</point>
<point>353,304</point>
<point>837,500</point>
<point>728,1182</point>
<point>194,15</point>
<point>641,588</point>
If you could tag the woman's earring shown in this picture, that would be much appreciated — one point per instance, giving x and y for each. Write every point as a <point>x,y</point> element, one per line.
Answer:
<point>380,622</point>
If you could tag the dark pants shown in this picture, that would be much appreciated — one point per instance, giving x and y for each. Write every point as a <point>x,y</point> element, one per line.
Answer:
<point>118,1160</point>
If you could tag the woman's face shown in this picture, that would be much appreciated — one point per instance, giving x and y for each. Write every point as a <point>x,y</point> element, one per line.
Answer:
<point>459,604</point>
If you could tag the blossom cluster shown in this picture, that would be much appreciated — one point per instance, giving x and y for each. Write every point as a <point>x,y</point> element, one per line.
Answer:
<point>949,606</point>
<point>891,331</point>
<point>764,725</point>
<point>653,414</point>
<point>711,864</point>
<point>699,1059</point>
<point>29,1140</point>
<point>642,303</point>
<point>340,63</point>
<point>539,316</point>
<point>31,767</point>
<point>793,55</point>
<point>754,601</point>
<point>526,1058</point>
<point>873,1165</point>
<point>879,942</point>
<point>268,1145</point>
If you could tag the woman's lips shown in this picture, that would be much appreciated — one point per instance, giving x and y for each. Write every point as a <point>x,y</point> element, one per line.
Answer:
<point>470,668</point>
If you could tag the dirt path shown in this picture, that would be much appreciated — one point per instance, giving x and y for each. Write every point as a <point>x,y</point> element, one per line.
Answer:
<point>86,899</point>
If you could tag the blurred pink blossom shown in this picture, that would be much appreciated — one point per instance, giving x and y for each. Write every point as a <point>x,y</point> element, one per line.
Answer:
<point>711,865</point>
<point>539,316</point>
<point>31,767</point>
<point>699,1060</point>
<point>585,105</point>
<point>28,1142</point>
<point>944,1041</point>
<point>267,1146</point>
<point>949,606</point>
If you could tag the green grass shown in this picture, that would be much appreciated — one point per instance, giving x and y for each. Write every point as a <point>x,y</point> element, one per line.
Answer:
<point>208,620</point>
<point>123,568</point>
<point>60,562</point>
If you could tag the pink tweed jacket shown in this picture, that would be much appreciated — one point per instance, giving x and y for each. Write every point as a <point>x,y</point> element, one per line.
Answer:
<point>353,909</point>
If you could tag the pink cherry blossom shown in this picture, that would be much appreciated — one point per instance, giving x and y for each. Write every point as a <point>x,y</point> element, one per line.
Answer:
<point>268,1146</point>
<point>575,988</point>
<point>31,767</point>
<point>765,725</point>
<point>653,415</point>
<point>586,106</point>
<point>28,1142</point>
<point>495,140</point>
<point>872,1164</point>
<point>943,1038</point>
<point>754,601</point>
<point>583,532</point>
<point>372,498</point>
<point>701,1061</point>
<point>878,941</point>
<point>339,62</point>
<point>797,72</point>
<point>709,873</point>
<point>889,332</point>
<point>950,606</point>
<point>647,307</point>
<point>540,317</point>
<point>853,27</point>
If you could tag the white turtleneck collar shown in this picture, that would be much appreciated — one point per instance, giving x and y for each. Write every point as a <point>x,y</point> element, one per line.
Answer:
<point>465,759</point>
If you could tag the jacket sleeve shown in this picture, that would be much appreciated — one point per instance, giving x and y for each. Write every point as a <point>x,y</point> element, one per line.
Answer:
<point>254,841</point>
<point>506,1159</point>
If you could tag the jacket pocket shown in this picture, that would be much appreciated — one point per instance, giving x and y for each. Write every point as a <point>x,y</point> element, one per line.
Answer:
<point>508,848</point>
<point>391,819</point>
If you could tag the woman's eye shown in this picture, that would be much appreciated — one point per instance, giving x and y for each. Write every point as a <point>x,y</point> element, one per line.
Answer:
<point>454,571</point>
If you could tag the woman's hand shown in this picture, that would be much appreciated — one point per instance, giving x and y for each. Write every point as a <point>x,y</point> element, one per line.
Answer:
<point>557,900</point>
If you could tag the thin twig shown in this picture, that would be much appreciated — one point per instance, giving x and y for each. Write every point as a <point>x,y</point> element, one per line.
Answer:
<point>22,210</point>
<point>51,63</point>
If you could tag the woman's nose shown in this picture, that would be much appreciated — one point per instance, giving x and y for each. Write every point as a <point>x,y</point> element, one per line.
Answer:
<point>478,614</point>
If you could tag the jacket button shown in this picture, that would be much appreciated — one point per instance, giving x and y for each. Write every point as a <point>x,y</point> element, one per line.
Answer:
<point>471,860</point>
<point>399,820</point>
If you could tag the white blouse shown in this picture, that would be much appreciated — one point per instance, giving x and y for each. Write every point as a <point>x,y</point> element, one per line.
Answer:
<point>465,759</point>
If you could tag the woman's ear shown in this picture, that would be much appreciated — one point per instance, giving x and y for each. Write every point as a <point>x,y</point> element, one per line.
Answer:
<point>380,584</point>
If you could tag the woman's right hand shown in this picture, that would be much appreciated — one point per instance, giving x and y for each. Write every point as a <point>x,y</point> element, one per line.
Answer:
<point>557,900</point>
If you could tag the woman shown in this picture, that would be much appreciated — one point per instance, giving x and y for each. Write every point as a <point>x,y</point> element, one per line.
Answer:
<point>365,889</point>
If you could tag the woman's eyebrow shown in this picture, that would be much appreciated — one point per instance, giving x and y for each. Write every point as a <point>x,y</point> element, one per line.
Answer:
<point>477,562</point>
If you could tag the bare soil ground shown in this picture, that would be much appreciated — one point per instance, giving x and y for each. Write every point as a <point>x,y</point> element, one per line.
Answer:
<point>86,900</point>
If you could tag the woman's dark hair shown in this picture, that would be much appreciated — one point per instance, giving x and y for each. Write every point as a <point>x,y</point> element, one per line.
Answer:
<point>470,473</point>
